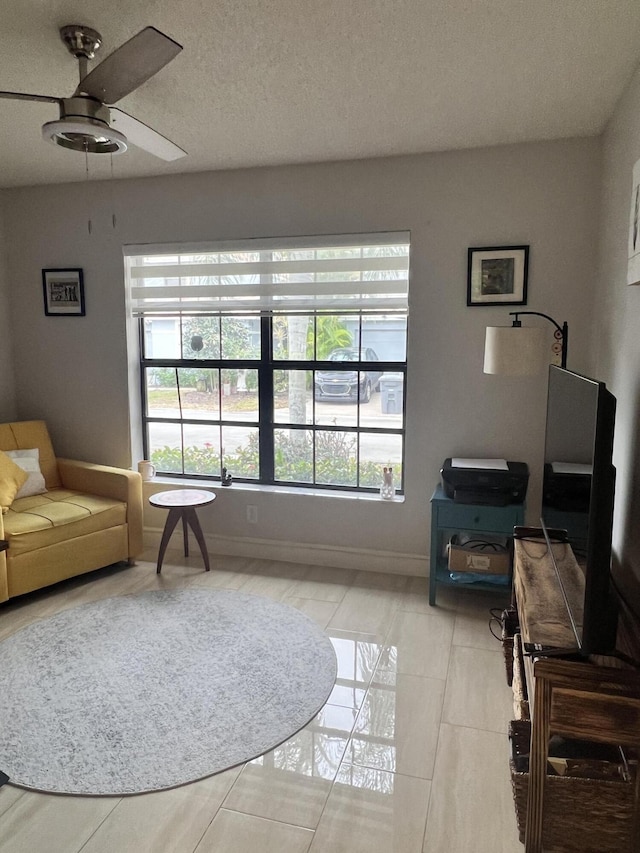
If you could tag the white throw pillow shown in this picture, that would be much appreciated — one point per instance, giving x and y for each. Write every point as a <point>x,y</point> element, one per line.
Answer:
<point>29,461</point>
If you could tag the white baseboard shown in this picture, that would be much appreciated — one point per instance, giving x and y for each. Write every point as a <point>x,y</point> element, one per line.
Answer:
<point>360,559</point>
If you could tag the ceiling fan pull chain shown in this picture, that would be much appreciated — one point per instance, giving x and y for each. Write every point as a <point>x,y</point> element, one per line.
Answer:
<point>86,166</point>
<point>113,212</point>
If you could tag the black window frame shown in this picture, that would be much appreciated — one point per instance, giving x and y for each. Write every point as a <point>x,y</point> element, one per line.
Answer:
<point>266,366</point>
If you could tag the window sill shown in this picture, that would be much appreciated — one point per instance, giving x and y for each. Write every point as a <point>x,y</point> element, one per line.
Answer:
<point>276,490</point>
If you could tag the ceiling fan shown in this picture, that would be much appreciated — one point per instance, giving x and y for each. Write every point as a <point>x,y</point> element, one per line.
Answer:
<point>85,122</point>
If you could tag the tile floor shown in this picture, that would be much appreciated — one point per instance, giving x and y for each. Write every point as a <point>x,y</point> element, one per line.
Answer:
<point>409,755</point>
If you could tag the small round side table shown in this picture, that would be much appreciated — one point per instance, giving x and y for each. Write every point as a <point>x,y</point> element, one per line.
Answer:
<point>182,504</point>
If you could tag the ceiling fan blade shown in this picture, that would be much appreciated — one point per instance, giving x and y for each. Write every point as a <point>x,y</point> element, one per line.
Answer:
<point>23,96</point>
<point>129,66</point>
<point>145,137</point>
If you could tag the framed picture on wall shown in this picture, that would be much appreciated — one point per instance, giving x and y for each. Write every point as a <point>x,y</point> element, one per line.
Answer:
<point>63,292</point>
<point>633,265</point>
<point>497,275</point>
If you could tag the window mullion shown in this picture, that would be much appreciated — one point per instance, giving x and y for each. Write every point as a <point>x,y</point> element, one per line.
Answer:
<point>265,397</point>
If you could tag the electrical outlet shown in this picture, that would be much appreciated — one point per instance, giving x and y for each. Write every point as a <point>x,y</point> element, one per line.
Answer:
<point>252,514</point>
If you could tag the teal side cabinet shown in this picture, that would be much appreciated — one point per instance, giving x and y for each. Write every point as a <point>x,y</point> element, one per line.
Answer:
<point>449,517</point>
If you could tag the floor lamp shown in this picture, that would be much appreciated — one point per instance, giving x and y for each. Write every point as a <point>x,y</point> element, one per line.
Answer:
<point>519,351</point>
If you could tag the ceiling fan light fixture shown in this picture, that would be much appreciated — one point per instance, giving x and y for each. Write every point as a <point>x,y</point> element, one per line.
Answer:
<point>94,137</point>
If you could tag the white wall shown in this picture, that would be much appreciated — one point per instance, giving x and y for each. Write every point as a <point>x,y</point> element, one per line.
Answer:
<point>617,330</point>
<point>7,383</point>
<point>73,371</point>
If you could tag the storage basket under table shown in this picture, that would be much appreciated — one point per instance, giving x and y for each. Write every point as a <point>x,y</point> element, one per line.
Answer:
<point>581,815</point>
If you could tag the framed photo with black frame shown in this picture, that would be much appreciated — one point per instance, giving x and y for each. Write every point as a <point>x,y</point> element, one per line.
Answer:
<point>497,275</point>
<point>63,291</point>
<point>633,266</point>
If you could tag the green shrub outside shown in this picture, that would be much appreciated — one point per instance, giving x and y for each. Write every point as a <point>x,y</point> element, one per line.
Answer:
<point>336,460</point>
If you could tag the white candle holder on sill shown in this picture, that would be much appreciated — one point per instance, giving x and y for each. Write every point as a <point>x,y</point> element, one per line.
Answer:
<point>387,490</point>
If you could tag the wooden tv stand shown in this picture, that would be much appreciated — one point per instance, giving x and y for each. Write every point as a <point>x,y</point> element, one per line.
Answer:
<point>591,699</point>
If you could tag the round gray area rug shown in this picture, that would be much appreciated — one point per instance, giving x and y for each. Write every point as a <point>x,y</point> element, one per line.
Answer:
<point>150,691</point>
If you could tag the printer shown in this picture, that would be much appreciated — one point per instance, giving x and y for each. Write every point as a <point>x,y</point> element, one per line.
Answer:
<point>485,481</point>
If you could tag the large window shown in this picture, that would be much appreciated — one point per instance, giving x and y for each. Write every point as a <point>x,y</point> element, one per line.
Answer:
<point>284,363</point>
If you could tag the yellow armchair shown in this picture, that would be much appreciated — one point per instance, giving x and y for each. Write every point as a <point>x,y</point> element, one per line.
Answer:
<point>89,517</point>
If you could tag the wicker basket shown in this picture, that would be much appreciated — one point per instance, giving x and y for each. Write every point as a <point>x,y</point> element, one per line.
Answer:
<point>581,815</point>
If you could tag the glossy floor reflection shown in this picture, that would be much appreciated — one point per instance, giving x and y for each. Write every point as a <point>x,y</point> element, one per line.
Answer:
<point>408,755</point>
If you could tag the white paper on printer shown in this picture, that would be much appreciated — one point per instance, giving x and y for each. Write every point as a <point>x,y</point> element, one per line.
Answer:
<point>492,464</point>
<point>571,468</point>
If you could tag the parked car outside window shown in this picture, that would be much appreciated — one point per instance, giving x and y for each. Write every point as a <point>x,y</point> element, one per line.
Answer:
<point>343,384</point>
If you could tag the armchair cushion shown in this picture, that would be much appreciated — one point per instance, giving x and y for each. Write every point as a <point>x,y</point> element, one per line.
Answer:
<point>12,477</point>
<point>43,520</point>
<point>29,461</point>
<point>22,435</point>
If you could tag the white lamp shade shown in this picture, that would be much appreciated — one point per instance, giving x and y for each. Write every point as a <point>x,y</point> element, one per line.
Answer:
<point>515,350</point>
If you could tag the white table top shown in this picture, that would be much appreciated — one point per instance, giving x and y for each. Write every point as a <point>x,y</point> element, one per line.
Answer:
<point>182,498</point>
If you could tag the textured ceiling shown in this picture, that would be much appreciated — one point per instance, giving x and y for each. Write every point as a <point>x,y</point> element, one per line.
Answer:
<point>291,81</point>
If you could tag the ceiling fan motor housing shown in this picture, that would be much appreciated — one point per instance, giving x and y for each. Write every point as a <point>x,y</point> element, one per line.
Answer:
<point>82,106</point>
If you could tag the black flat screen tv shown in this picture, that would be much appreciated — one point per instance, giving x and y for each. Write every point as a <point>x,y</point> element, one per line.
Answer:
<point>578,495</point>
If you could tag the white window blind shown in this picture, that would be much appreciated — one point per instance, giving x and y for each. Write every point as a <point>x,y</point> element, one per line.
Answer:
<point>320,274</point>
